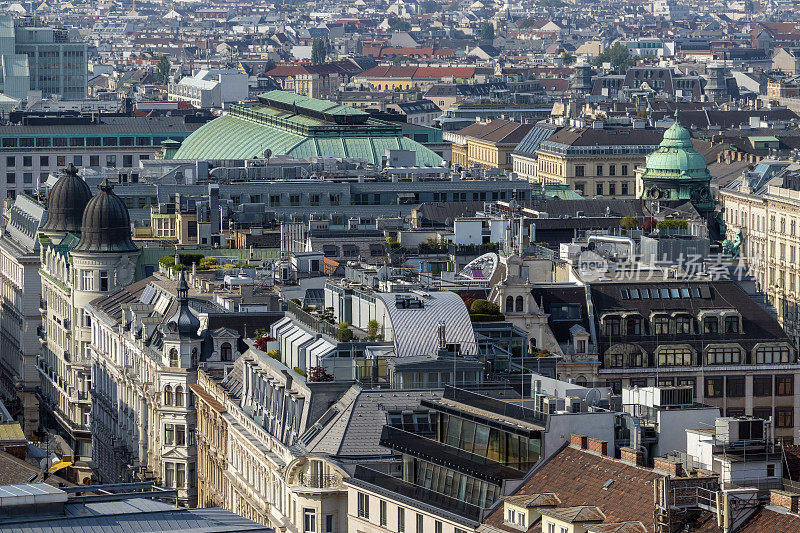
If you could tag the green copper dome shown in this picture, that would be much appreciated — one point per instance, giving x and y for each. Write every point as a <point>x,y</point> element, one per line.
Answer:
<point>676,172</point>
<point>676,156</point>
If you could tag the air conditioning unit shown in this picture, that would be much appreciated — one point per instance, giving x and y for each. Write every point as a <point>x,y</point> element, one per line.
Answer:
<point>733,430</point>
<point>673,396</point>
<point>550,405</point>
<point>573,404</point>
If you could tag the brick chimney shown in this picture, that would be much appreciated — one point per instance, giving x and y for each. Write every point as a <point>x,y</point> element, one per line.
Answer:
<point>578,441</point>
<point>785,500</point>
<point>598,446</point>
<point>631,456</point>
<point>670,466</point>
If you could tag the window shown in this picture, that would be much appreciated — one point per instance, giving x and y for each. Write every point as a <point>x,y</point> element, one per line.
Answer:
<point>328,523</point>
<point>772,354</point>
<point>180,478</point>
<point>87,280</point>
<point>624,173</point>
<point>784,385</point>
<point>11,161</point>
<point>103,281</point>
<point>599,170</point>
<point>674,356</point>
<point>710,324</point>
<point>661,325</point>
<point>363,505</point>
<point>612,189</point>
<point>714,387</point>
<point>127,161</point>
<point>613,325</point>
<point>169,434</point>
<point>437,526</point>
<point>518,304</point>
<point>723,355</point>
<point>382,512</point>
<point>27,177</point>
<point>770,470</point>
<point>309,521</point>
<point>173,357</point>
<point>624,188</point>
<point>420,523</point>
<point>94,160</point>
<point>580,171</point>
<point>111,161</point>
<point>44,161</point>
<point>731,324</point>
<point>178,396</point>
<point>27,161</point>
<point>634,325</point>
<point>683,324</point>
<point>168,395</point>
<point>401,520</point>
<point>180,435</point>
<point>762,385</point>
<point>509,304</point>
<point>551,527</point>
<point>599,189</point>
<point>11,177</point>
<point>169,474</point>
<point>735,388</point>
<point>784,417</point>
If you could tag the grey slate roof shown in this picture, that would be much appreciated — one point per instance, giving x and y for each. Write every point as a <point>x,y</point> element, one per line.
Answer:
<point>25,218</point>
<point>134,516</point>
<point>352,427</point>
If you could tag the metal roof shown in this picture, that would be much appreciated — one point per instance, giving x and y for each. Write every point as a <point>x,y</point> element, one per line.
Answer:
<point>415,331</point>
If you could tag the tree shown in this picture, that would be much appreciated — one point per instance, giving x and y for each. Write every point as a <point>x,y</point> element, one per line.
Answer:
<point>673,224</point>
<point>487,32</point>
<point>318,51</point>
<point>617,55</point>
<point>484,307</point>
<point>318,373</point>
<point>400,25</point>
<point>649,225</point>
<point>628,223</point>
<point>568,58</point>
<point>345,333</point>
<point>372,328</point>
<point>162,69</point>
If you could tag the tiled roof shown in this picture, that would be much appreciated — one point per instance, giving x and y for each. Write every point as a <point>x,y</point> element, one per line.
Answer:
<point>499,131</point>
<point>578,513</point>
<point>768,521</point>
<point>580,478</point>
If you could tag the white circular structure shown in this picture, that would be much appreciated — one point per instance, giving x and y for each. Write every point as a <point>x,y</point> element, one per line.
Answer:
<point>482,267</point>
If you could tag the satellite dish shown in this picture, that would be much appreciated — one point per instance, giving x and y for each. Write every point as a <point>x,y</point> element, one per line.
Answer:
<point>593,397</point>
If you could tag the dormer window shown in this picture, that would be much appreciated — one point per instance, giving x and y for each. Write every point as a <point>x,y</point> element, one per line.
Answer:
<point>731,324</point>
<point>683,324</point>
<point>226,352</point>
<point>711,324</point>
<point>612,325</point>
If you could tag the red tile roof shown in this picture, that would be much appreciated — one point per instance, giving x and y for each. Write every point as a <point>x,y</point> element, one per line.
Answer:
<point>579,478</point>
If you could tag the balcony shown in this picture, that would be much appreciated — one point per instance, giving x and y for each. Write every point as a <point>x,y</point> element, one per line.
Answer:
<point>320,481</point>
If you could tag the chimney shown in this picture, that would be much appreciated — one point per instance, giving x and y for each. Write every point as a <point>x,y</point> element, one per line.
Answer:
<point>598,446</point>
<point>670,466</point>
<point>578,441</point>
<point>785,500</point>
<point>631,456</point>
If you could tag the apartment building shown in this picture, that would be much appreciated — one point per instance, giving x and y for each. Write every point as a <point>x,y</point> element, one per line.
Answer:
<point>597,160</point>
<point>21,291</point>
<point>487,145</point>
<point>30,152</point>
<point>761,215</point>
<point>86,252</point>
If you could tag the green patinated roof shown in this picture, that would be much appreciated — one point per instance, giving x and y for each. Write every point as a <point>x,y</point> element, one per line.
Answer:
<point>676,156</point>
<point>763,138</point>
<point>249,130</point>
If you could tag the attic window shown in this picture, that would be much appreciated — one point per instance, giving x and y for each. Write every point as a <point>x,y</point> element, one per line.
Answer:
<point>607,484</point>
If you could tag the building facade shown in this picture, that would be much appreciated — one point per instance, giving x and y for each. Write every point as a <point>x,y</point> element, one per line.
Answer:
<point>596,161</point>
<point>21,293</point>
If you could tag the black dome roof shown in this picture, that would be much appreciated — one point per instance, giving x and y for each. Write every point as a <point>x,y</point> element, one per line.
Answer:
<point>106,225</point>
<point>66,202</point>
<point>183,322</point>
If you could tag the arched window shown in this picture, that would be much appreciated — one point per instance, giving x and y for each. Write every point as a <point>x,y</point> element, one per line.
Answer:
<point>225,351</point>
<point>518,307</point>
<point>178,396</point>
<point>509,304</point>
<point>168,395</point>
<point>173,357</point>
<point>194,357</point>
